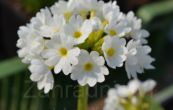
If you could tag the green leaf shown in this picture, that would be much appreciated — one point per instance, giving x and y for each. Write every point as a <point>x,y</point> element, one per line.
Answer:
<point>11,67</point>
<point>154,105</point>
<point>34,5</point>
<point>164,94</point>
<point>150,11</point>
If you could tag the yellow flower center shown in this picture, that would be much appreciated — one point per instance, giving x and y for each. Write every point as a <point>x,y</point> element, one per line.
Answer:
<point>77,34</point>
<point>50,67</point>
<point>88,66</point>
<point>111,52</point>
<point>67,15</point>
<point>55,29</point>
<point>63,52</point>
<point>85,14</point>
<point>34,43</point>
<point>92,14</point>
<point>112,32</point>
<point>105,22</point>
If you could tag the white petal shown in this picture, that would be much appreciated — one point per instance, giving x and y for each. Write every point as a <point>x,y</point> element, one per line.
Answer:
<point>98,59</point>
<point>52,61</point>
<point>67,68</point>
<point>148,85</point>
<point>82,81</point>
<point>122,91</point>
<point>74,52</point>
<point>48,53</point>
<point>133,86</point>
<point>145,33</point>
<point>105,70</point>
<point>58,67</point>
<point>101,78</point>
<point>36,77</point>
<point>91,81</point>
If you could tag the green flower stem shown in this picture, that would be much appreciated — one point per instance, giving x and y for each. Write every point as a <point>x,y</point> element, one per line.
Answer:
<point>83,98</point>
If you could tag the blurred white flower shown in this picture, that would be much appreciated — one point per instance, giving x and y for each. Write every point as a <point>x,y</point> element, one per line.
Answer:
<point>148,85</point>
<point>118,98</point>
<point>129,90</point>
<point>112,101</point>
<point>90,69</point>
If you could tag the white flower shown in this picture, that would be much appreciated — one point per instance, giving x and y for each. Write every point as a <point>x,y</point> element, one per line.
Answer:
<point>46,24</point>
<point>114,51</point>
<point>60,8</point>
<point>135,86</point>
<point>137,59</point>
<point>141,35</point>
<point>41,74</point>
<point>112,101</point>
<point>135,24</point>
<point>129,90</point>
<point>61,54</point>
<point>132,21</point>
<point>30,43</point>
<point>93,7</point>
<point>67,9</point>
<point>118,98</point>
<point>90,69</point>
<point>110,7</point>
<point>111,13</point>
<point>78,30</point>
<point>92,4</point>
<point>148,85</point>
<point>42,17</point>
<point>114,29</point>
<point>55,37</point>
<point>110,18</point>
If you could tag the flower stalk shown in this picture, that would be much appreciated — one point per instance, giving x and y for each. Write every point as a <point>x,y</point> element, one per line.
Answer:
<point>83,98</point>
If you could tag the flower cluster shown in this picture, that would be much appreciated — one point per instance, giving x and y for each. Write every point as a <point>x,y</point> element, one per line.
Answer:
<point>134,96</point>
<point>77,37</point>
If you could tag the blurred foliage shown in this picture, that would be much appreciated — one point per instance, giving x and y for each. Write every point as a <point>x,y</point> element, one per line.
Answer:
<point>165,94</point>
<point>150,11</point>
<point>154,105</point>
<point>33,6</point>
<point>11,67</point>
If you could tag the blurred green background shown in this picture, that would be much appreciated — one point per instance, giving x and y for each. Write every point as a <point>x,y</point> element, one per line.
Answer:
<point>17,92</point>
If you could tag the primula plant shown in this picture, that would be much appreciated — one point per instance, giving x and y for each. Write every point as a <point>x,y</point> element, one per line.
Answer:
<point>77,38</point>
<point>135,96</point>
